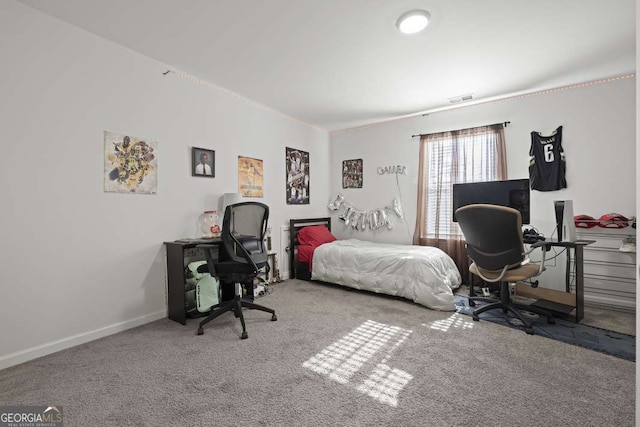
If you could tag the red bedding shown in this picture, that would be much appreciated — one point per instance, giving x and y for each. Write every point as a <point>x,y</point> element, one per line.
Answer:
<point>310,238</point>
<point>305,253</point>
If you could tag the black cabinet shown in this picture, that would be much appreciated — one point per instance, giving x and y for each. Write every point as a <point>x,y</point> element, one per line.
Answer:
<point>179,255</point>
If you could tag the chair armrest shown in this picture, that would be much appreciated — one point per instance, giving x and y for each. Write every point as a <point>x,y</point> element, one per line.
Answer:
<point>545,248</point>
<point>207,253</point>
<point>246,254</point>
<point>497,279</point>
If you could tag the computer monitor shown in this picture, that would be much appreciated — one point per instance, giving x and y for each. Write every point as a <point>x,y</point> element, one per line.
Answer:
<point>513,193</point>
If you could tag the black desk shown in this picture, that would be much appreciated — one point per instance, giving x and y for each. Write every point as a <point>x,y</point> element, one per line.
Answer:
<point>179,255</point>
<point>558,301</point>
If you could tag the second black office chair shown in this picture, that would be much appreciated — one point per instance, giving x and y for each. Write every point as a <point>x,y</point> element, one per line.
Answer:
<point>493,236</point>
<point>242,257</point>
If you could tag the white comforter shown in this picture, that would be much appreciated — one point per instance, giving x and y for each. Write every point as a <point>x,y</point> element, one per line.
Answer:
<point>423,274</point>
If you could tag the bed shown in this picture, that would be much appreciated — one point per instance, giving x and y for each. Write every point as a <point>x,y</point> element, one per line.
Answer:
<point>423,274</point>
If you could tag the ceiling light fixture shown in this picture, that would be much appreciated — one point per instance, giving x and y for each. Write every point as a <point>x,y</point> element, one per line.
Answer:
<point>413,22</point>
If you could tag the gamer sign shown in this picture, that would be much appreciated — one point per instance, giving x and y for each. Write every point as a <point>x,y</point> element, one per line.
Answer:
<point>395,169</point>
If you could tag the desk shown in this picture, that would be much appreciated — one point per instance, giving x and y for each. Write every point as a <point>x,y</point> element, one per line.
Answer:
<point>179,254</point>
<point>562,302</point>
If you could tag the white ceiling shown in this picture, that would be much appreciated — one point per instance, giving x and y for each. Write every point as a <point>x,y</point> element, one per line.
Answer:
<point>338,64</point>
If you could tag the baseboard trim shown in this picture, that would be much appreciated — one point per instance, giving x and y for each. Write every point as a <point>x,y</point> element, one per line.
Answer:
<point>64,343</point>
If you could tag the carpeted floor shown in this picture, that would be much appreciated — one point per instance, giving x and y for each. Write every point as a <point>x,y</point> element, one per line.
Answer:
<point>334,357</point>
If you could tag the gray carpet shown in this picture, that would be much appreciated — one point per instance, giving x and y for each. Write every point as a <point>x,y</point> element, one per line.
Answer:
<point>334,357</point>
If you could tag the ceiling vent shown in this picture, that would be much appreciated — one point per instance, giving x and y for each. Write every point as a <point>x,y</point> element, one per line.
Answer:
<point>461,98</point>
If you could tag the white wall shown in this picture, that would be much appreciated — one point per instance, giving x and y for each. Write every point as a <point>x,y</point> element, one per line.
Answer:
<point>598,138</point>
<point>79,263</point>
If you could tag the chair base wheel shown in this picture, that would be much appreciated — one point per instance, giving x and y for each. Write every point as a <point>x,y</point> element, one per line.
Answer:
<point>529,331</point>
<point>274,318</point>
<point>200,331</point>
<point>475,318</point>
<point>244,336</point>
<point>472,303</point>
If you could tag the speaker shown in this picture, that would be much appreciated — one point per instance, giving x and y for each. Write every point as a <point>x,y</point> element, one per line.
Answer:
<point>564,220</point>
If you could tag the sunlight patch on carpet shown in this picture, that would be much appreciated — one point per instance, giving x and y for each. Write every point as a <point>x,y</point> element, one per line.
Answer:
<point>354,353</point>
<point>455,321</point>
<point>385,384</point>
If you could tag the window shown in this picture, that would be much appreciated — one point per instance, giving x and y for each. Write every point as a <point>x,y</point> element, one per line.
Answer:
<point>468,155</point>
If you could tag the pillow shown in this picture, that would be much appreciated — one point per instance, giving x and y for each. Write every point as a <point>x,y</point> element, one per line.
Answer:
<point>315,235</point>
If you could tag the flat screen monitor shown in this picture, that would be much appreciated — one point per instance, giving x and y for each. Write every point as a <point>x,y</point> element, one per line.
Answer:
<point>513,193</point>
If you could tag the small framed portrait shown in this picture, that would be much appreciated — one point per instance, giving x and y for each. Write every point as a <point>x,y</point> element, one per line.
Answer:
<point>203,162</point>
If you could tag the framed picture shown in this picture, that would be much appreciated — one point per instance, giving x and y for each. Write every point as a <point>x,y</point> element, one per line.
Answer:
<point>352,173</point>
<point>130,164</point>
<point>203,162</point>
<point>297,175</point>
<point>250,173</point>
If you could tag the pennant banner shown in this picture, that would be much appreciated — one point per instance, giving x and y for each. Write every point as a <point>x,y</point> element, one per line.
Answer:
<point>360,219</point>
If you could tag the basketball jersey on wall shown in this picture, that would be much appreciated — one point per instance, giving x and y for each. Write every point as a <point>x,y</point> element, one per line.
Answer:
<point>547,165</point>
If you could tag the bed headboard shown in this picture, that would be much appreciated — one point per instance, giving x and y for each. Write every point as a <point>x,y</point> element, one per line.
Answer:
<point>295,225</point>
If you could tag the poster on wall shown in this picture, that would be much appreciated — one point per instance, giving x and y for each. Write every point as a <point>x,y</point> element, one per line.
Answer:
<point>130,164</point>
<point>250,176</point>
<point>297,172</point>
<point>352,173</point>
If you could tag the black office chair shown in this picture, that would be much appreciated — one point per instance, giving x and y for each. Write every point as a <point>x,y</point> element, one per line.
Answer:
<point>494,244</point>
<point>242,257</point>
